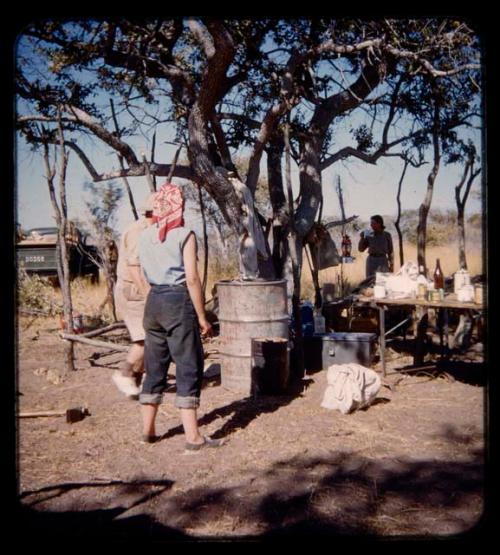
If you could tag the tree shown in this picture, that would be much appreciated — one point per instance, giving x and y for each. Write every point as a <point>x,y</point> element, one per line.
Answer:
<point>59,206</point>
<point>203,65</point>
<point>469,157</point>
<point>102,206</point>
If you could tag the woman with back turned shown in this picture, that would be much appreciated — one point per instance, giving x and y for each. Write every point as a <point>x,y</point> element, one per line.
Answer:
<point>173,317</point>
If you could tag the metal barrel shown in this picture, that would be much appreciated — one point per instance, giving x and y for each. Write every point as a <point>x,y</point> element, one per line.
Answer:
<point>247,310</point>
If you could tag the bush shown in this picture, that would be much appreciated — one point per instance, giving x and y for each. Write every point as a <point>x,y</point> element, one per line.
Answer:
<point>36,293</point>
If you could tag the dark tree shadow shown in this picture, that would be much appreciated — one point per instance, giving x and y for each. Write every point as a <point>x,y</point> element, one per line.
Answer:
<point>99,524</point>
<point>342,495</point>
<point>244,411</point>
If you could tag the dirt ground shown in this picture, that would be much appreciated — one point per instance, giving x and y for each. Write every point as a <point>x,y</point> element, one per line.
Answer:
<point>410,465</point>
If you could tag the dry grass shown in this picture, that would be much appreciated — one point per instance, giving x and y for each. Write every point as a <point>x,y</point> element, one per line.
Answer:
<point>354,273</point>
<point>88,297</point>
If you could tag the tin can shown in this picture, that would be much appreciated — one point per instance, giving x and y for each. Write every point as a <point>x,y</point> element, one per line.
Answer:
<point>421,291</point>
<point>478,293</point>
<point>435,295</point>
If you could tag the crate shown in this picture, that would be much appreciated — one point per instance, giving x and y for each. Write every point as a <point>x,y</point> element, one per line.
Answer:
<point>323,350</point>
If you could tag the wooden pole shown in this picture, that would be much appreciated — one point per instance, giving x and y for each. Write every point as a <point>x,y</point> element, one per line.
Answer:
<point>342,211</point>
<point>205,242</point>
<point>294,246</point>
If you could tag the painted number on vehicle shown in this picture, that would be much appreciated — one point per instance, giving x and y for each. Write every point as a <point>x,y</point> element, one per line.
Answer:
<point>39,258</point>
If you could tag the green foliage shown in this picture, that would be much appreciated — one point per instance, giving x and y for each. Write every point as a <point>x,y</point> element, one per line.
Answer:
<point>475,221</point>
<point>441,226</point>
<point>103,203</point>
<point>36,293</point>
<point>364,138</point>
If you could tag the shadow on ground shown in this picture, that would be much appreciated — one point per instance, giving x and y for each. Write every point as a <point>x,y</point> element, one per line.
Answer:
<point>246,410</point>
<point>343,494</point>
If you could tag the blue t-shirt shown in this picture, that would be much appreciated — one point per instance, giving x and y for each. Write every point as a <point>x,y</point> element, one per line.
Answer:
<point>163,263</point>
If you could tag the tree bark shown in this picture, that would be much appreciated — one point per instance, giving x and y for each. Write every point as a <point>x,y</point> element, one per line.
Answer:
<point>205,244</point>
<point>60,213</point>
<point>462,259</point>
<point>424,208</point>
<point>295,250</point>
<point>278,202</point>
<point>310,163</point>
<point>398,219</point>
<point>461,202</point>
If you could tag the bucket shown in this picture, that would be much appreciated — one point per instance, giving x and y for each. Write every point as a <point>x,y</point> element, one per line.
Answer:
<point>248,310</point>
<point>270,365</point>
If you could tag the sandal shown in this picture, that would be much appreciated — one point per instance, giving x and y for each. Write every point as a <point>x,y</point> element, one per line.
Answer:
<point>149,439</point>
<point>207,442</point>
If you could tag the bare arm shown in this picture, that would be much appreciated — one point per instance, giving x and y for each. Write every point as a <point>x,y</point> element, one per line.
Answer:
<point>194,284</point>
<point>139,280</point>
<point>363,243</point>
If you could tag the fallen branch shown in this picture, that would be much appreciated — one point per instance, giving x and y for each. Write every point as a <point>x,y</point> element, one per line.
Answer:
<point>100,331</point>
<point>35,312</point>
<point>42,413</point>
<point>94,342</point>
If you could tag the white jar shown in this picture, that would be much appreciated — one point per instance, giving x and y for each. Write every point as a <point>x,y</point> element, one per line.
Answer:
<point>379,292</point>
<point>460,279</point>
<point>465,294</point>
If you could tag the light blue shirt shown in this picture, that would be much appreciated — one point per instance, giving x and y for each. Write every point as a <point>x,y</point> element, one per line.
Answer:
<point>163,263</point>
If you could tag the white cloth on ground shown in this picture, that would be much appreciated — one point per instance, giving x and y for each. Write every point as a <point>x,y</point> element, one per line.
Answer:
<point>350,387</point>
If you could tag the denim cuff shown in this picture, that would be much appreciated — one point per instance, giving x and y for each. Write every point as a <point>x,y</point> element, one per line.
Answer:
<point>151,398</point>
<point>187,402</point>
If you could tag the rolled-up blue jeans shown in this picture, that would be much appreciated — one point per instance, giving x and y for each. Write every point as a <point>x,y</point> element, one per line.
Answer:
<point>172,334</point>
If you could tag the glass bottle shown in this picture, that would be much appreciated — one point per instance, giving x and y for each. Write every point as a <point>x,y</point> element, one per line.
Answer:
<point>438,276</point>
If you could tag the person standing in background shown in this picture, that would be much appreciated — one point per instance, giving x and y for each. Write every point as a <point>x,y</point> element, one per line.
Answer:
<point>379,245</point>
<point>130,294</point>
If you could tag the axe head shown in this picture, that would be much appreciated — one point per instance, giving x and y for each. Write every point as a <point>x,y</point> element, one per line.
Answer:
<point>76,414</point>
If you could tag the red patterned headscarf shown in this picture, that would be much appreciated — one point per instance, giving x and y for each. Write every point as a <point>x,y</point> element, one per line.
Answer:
<point>168,209</point>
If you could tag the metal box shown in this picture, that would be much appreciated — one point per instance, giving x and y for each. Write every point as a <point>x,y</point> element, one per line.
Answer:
<point>323,350</point>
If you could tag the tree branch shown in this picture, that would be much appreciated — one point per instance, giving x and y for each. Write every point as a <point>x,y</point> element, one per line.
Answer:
<point>99,131</point>
<point>407,54</point>
<point>343,222</point>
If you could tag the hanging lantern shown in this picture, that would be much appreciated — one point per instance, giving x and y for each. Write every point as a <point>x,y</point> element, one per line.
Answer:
<point>346,245</point>
<point>346,249</point>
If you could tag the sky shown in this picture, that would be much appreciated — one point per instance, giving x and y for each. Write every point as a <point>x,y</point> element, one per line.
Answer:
<point>368,189</point>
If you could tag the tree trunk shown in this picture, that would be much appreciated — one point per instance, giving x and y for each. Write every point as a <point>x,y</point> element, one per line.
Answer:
<point>278,203</point>
<point>212,178</point>
<point>310,186</point>
<point>462,260</point>
<point>295,250</point>
<point>205,244</point>
<point>398,219</point>
<point>63,273</point>
<point>469,166</point>
<point>424,208</point>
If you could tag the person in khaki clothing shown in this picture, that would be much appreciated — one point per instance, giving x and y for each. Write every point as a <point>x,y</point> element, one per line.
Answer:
<point>130,292</point>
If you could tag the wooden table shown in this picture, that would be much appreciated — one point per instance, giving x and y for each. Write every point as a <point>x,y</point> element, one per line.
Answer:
<point>419,308</point>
